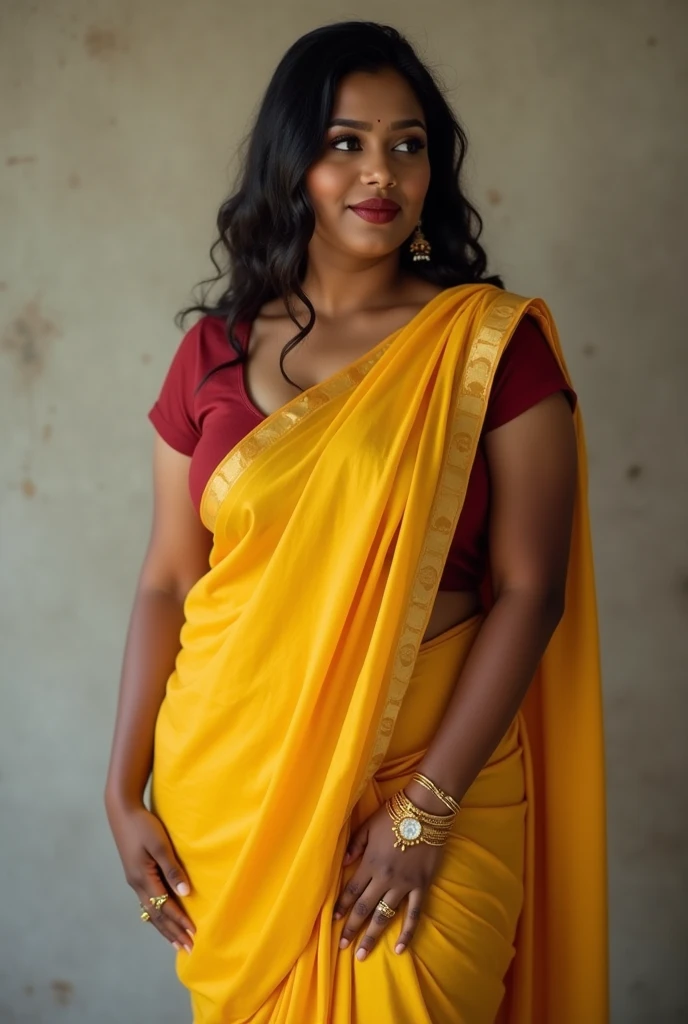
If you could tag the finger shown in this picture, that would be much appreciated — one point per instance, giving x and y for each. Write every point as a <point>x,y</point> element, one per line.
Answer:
<point>351,891</point>
<point>175,921</point>
<point>363,907</point>
<point>161,922</point>
<point>155,884</point>
<point>163,854</point>
<point>378,922</point>
<point>357,844</point>
<point>413,914</point>
<point>167,918</point>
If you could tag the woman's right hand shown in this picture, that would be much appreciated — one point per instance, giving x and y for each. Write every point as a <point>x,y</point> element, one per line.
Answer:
<point>151,868</point>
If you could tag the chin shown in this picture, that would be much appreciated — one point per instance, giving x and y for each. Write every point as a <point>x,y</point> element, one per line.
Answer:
<point>372,252</point>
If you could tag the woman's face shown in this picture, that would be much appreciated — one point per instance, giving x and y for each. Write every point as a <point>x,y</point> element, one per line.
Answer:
<point>376,136</point>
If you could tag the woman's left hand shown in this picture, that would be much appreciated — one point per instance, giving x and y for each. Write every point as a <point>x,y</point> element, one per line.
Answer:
<point>388,874</point>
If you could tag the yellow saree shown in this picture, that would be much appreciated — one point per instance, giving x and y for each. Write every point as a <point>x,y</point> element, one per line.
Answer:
<point>303,696</point>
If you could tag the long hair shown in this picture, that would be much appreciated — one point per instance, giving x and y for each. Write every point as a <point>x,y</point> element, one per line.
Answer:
<point>265,226</point>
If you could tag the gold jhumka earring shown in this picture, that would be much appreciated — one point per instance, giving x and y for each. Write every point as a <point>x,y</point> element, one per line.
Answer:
<point>420,247</point>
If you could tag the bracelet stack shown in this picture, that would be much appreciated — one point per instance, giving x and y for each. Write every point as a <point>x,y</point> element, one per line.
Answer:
<point>411,825</point>
<point>444,797</point>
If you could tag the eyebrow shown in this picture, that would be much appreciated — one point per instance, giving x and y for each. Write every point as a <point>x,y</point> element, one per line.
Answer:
<point>366,126</point>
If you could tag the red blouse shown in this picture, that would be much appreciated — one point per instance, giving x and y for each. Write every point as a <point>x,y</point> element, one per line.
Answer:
<point>207,424</point>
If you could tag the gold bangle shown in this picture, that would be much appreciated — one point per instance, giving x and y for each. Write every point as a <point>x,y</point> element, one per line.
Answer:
<point>429,816</point>
<point>451,803</point>
<point>440,820</point>
<point>411,825</point>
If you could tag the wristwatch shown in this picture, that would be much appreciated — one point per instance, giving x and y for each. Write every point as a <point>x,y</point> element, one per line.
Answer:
<point>411,825</point>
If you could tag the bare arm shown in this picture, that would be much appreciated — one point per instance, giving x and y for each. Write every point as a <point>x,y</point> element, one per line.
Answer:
<point>176,558</point>
<point>533,463</point>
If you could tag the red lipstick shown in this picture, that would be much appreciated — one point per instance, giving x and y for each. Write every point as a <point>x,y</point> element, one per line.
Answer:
<point>376,211</point>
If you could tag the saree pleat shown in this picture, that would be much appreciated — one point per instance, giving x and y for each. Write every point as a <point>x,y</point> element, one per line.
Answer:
<point>303,696</point>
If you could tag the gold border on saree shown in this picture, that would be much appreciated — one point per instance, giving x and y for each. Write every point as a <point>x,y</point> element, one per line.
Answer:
<point>472,393</point>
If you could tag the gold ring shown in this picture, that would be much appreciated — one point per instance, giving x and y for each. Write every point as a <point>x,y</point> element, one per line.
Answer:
<point>158,901</point>
<point>145,916</point>
<point>385,909</point>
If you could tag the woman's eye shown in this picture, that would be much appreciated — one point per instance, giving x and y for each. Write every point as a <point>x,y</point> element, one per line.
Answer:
<point>416,145</point>
<point>337,143</point>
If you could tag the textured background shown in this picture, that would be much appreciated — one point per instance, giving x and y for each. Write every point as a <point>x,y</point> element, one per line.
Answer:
<point>119,123</point>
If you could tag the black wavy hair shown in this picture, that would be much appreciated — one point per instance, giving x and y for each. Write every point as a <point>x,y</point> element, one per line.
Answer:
<point>265,226</point>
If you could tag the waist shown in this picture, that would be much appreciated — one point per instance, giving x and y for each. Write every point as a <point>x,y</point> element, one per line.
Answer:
<point>451,608</point>
<point>435,674</point>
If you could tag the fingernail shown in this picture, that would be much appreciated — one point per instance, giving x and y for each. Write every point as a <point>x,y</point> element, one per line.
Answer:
<point>361,954</point>
<point>187,947</point>
<point>343,943</point>
<point>189,932</point>
<point>177,947</point>
<point>399,948</point>
<point>183,889</point>
<point>336,915</point>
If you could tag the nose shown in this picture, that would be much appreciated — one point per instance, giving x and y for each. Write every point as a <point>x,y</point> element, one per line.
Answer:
<point>378,172</point>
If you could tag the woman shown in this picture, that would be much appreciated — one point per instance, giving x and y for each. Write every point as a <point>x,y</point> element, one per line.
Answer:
<point>384,549</point>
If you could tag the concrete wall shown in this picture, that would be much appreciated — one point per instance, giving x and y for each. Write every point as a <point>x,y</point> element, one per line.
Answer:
<point>119,121</point>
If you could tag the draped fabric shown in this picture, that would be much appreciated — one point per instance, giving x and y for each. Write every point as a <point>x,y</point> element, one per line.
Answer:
<point>297,686</point>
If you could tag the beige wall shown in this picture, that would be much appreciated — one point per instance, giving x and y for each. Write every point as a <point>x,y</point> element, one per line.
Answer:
<point>118,126</point>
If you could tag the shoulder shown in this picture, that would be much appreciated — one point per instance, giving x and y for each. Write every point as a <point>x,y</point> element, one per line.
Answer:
<point>529,353</point>
<point>528,372</point>
<point>205,336</point>
<point>417,292</point>
<point>526,339</point>
<point>202,346</point>
<point>273,308</point>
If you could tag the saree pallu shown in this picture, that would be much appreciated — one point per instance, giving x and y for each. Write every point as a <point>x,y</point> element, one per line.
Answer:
<point>303,695</point>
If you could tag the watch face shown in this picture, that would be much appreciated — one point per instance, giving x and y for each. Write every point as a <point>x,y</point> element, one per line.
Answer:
<point>409,828</point>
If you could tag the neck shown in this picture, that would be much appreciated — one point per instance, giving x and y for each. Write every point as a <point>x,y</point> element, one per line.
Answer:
<point>339,285</point>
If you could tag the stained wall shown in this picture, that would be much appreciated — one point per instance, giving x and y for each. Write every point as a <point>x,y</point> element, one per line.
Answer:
<point>119,126</point>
